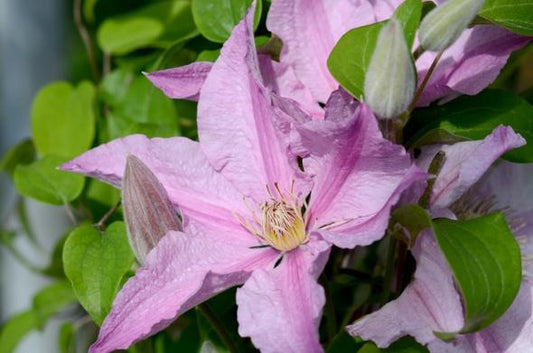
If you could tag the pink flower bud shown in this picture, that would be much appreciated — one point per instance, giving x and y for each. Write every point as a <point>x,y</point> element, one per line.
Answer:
<point>148,213</point>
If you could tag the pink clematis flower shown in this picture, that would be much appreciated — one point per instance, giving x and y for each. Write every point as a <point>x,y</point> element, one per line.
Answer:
<point>507,187</point>
<point>310,29</point>
<point>431,302</point>
<point>241,194</point>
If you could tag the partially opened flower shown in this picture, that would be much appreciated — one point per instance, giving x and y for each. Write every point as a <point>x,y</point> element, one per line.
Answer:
<point>250,214</point>
<point>431,303</point>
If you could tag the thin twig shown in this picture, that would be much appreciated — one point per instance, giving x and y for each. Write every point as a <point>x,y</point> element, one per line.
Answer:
<point>434,169</point>
<point>389,270</point>
<point>420,89</point>
<point>106,64</point>
<point>70,213</point>
<point>86,39</point>
<point>218,326</point>
<point>106,217</point>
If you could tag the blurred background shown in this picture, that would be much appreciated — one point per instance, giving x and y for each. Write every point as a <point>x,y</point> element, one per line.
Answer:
<point>36,43</point>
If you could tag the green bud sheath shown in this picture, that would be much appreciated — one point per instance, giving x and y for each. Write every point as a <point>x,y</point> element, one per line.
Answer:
<point>444,24</point>
<point>390,80</point>
<point>148,212</point>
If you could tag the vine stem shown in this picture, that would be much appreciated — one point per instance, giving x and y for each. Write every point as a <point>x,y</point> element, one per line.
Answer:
<point>389,270</point>
<point>86,38</point>
<point>108,214</point>
<point>70,212</point>
<point>219,328</point>
<point>420,89</point>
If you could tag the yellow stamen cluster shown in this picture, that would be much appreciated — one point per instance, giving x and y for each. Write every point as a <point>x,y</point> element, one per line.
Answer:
<point>283,225</point>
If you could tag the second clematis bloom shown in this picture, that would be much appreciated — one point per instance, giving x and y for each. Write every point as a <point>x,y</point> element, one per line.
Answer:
<point>431,302</point>
<point>251,214</point>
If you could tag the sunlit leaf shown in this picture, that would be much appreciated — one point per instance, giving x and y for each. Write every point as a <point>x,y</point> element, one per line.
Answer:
<point>62,119</point>
<point>216,19</point>
<point>42,181</point>
<point>22,153</point>
<point>95,263</point>
<point>157,24</point>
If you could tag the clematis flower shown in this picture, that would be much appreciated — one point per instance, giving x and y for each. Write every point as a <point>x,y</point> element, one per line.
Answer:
<point>506,187</point>
<point>243,198</point>
<point>431,302</point>
<point>310,29</point>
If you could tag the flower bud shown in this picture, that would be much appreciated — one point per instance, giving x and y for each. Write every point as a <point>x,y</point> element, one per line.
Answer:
<point>148,212</point>
<point>444,24</point>
<point>390,80</point>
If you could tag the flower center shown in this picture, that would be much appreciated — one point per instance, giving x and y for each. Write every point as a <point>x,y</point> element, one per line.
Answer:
<point>283,226</point>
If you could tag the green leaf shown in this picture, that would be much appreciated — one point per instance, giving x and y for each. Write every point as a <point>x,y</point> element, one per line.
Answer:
<point>102,193</point>
<point>486,263</point>
<point>342,343</point>
<point>22,153</point>
<point>473,118</point>
<point>51,300</point>
<point>55,265</point>
<point>216,19</point>
<point>349,59</point>
<point>137,107</point>
<point>14,330</point>
<point>403,345</point>
<point>67,338</point>
<point>409,14</point>
<point>351,56</point>
<point>208,55</point>
<point>515,15</point>
<point>42,181</point>
<point>156,25</point>
<point>62,119</point>
<point>95,264</point>
<point>88,10</point>
<point>413,218</point>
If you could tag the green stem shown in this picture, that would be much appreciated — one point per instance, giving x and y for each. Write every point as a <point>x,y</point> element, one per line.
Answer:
<point>219,328</point>
<point>105,218</point>
<point>434,169</point>
<point>420,89</point>
<point>85,38</point>
<point>389,270</point>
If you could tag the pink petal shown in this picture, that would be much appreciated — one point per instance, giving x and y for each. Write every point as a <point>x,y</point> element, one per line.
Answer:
<point>509,186</point>
<point>430,303</point>
<point>183,270</point>
<point>179,165</point>
<point>280,78</point>
<point>466,162</point>
<point>309,30</point>
<point>236,121</point>
<point>358,180</point>
<point>512,333</point>
<point>182,82</point>
<point>280,308</point>
<point>469,65</point>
